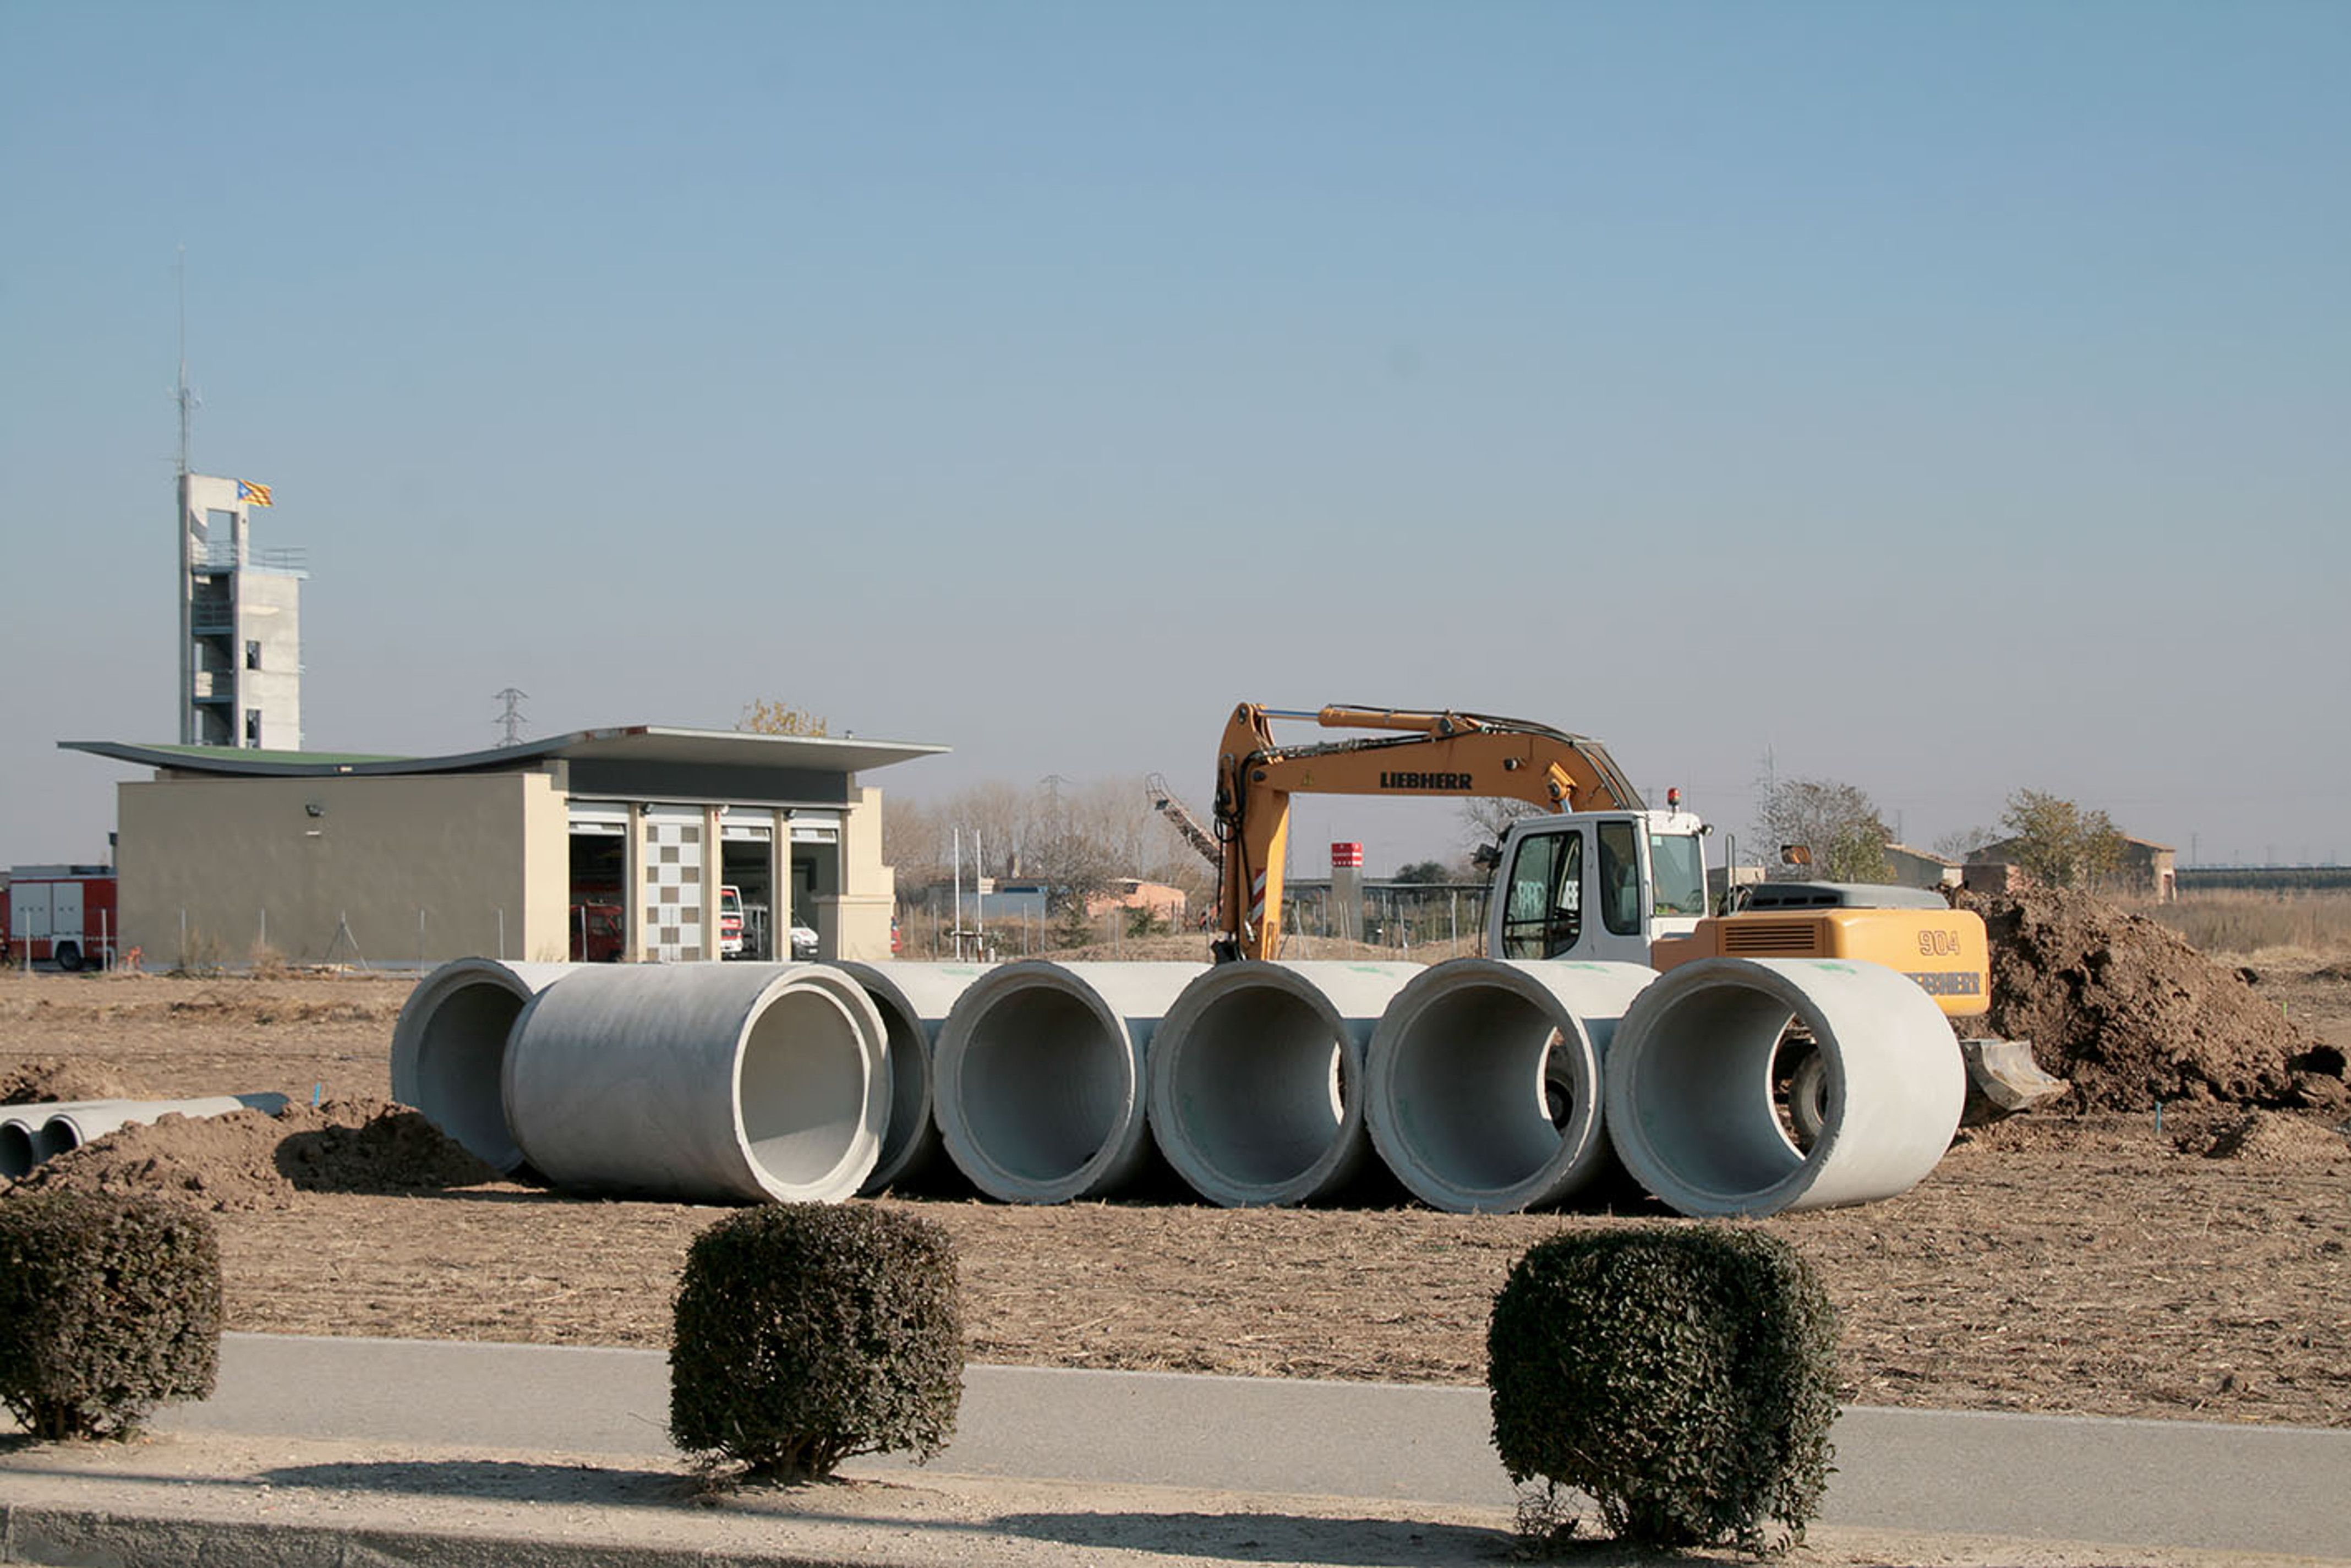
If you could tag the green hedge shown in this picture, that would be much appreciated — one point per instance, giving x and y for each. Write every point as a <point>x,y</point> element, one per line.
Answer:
<point>108,1307</point>
<point>807,1333</point>
<point>1684,1377</point>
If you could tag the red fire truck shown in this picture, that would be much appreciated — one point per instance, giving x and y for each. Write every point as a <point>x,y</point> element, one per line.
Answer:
<point>61,913</point>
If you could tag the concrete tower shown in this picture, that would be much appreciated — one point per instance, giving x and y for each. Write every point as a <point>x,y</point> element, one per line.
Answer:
<point>240,622</point>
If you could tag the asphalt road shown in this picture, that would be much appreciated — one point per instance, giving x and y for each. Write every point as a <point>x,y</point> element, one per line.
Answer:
<point>2142,1483</point>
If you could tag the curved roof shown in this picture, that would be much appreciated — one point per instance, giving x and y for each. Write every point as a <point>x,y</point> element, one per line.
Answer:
<point>645,744</point>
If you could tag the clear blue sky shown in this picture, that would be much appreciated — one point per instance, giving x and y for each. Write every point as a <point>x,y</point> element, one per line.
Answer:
<point>1943,399</point>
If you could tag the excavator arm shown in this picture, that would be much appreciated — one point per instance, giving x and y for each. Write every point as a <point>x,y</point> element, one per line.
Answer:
<point>1442,754</point>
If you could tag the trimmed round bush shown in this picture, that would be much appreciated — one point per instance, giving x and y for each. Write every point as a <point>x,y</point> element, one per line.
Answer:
<point>1684,1378</point>
<point>108,1307</point>
<point>809,1332</point>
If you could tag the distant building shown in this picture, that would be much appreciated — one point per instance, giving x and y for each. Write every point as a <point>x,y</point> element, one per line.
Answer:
<point>1919,868</point>
<point>240,624</point>
<point>2147,870</point>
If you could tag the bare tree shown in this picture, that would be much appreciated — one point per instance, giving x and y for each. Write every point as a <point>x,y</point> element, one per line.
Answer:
<point>763,716</point>
<point>1486,819</point>
<point>1835,826</point>
<point>1962,842</point>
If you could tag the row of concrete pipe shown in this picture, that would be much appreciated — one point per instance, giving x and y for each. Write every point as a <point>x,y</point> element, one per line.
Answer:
<point>1478,1085</point>
<point>36,1131</point>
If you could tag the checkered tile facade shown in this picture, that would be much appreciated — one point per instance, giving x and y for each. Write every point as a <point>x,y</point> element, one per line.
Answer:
<point>672,851</point>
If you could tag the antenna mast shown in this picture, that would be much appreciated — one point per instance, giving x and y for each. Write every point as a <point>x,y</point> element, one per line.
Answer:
<point>185,396</point>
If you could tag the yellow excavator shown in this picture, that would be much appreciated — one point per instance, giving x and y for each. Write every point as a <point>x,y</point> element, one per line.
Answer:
<point>1599,876</point>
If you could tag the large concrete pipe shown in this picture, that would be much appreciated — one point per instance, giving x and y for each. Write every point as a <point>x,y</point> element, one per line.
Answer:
<point>1257,1078</point>
<point>1039,1076</point>
<point>1689,1085</point>
<point>700,1083</point>
<point>914,1000</point>
<point>69,1126</point>
<point>449,1047</point>
<point>1484,1090</point>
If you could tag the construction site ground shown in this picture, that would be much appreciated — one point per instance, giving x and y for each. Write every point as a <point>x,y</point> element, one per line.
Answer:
<point>2108,1264</point>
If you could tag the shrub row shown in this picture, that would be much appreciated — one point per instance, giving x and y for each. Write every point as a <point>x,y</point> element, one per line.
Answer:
<point>1683,1377</point>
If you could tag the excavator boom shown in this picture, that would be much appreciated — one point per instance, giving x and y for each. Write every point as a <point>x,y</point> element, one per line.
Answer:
<point>1428,754</point>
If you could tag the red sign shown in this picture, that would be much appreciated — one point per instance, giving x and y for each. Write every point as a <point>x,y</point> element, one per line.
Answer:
<point>1344,856</point>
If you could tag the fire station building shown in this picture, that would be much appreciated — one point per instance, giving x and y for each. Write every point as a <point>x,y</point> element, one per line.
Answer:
<point>637,843</point>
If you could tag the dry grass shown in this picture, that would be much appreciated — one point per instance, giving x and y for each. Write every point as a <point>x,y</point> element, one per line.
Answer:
<point>2244,926</point>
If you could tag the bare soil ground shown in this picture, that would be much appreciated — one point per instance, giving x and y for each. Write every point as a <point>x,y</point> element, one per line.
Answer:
<point>2191,1261</point>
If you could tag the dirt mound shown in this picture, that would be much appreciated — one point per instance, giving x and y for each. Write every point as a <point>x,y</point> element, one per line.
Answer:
<point>50,1078</point>
<point>245,1160</point>
<point>2135,1015</point>
<point>2273,1137</point>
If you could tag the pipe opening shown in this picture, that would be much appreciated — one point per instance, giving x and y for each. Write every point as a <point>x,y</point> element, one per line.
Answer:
<point>16,1150</point>
<point>54,1136</point>
<point>1475,1081</point>
<point>1259,1089</point>
<point>1045,1083</point>
<point>459,1055</point>
<point>801,1085</point>
<point>1702,1085</point>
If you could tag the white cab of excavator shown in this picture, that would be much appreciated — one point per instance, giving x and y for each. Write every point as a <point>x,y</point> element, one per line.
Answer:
<point>1597,885</point>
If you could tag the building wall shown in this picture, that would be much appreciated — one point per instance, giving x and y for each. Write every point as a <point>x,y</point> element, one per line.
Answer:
<point>270,612</point>
<point>855,922</point>
<point>1909,868</point>
<point>339,869</point>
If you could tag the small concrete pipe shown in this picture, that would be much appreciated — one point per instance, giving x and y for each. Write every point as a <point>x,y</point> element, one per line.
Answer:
<point>20,1125</point>
<point>1689,1085</point>
<point>449,1049</point>
<point>70,1126</point>
<point>1257,1078</point>
<point>914,1000</point>
<point>1484,1090</point>
<point>21,1146</point>
<point>701,1083</point>
<point>1039,1086</point>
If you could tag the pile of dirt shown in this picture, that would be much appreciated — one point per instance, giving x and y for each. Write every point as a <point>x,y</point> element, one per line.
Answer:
<point>54,1078</point>
<point>2277,1138</point>
<point>2135,1017</point>
<point>247,1160</point>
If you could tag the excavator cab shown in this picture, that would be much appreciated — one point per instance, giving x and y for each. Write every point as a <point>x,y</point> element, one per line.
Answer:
<point>1597,885</point>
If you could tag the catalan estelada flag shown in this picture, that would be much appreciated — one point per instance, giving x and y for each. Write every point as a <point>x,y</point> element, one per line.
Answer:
<point>252,495</point>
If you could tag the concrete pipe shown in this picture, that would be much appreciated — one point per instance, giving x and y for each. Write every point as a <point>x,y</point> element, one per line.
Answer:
<point>914,1000</point>
<point>449,1049</point>
<point>20,1125</point>
<point>1484,1090</point>
<point>701,1083</point>
<point>21,1145</point>
<point>1257,1078</point>
<point>1689,1085</point>
<point>70,1126</point>
<point>1039,1077</point>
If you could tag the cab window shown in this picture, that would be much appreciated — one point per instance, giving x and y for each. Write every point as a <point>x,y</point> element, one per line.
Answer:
<point>1543,912</point>
<point>1677,873</point>
<point>1620,877</point>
